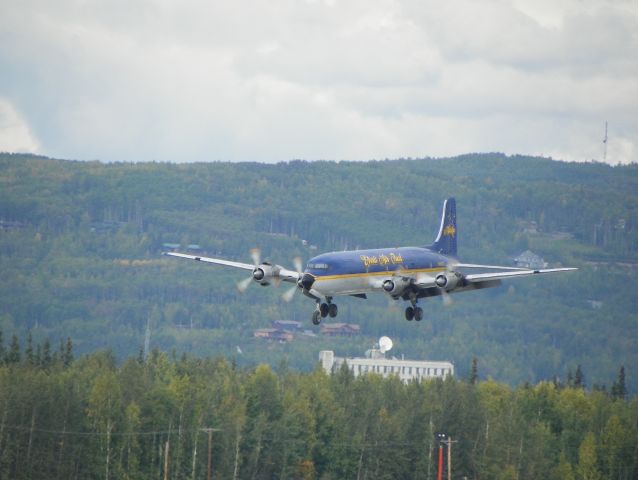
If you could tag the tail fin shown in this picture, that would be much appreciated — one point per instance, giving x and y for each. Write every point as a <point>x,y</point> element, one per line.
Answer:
<point>445,242</point>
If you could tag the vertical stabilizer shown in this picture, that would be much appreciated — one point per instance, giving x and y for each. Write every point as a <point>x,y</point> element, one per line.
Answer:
<point>445,242</point>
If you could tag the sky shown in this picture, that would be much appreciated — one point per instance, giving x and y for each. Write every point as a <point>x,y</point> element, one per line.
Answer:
<point>276,80</point>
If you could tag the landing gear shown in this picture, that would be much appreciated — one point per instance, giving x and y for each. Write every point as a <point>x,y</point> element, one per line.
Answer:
<point>323,310</point>
<point>409,314</point>
<point>414,313</point>
<point>328,309</point>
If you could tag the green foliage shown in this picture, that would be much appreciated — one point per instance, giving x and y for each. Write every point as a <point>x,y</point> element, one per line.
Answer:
<point>92,419</point>
<point>81,243</point>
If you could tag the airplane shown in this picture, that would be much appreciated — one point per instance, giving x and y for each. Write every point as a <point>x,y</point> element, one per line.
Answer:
<point>408,273</point>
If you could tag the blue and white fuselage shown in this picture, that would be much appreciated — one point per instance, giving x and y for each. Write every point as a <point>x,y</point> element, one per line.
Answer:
<point>365,271</point>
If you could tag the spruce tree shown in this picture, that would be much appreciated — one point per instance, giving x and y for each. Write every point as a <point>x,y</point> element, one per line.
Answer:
<point>619,389</point>
<point>474,371</point>
<point>579,378</point>
<point>13,356</point>
<point>67,357</point>
<point>28,352</point>
<point>46,353</point>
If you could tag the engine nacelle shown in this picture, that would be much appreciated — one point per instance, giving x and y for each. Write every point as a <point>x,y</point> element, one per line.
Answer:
<point>263,274</point>
<point>396,286</point>
<point>447,281</point>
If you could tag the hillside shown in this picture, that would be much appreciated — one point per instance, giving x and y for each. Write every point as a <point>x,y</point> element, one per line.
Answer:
<point>81,242</point>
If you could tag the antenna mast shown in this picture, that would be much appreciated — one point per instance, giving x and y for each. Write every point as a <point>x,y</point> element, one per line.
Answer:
<point>605,144</point>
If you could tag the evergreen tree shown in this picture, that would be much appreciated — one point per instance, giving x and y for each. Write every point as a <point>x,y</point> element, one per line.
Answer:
<point>13,356</point>
<point>67,356</point>
<point>619,389</point>
<point>474,371</point>
<point>579,378</point>
<point>46,354</point>
<point>2,351</point>
<point>28,352</point>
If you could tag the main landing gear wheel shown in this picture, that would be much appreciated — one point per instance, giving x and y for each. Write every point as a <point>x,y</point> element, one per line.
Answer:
<point>409,314</point>
<point>323,309</point>
<point>414,313</point>
<point>332,310</point>
<point>316,317</point>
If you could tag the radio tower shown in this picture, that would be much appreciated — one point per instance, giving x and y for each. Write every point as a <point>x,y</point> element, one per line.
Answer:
<point>605,144</point>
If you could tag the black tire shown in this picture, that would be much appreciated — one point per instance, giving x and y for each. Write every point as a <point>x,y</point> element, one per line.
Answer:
<point>316,317</point>
<point>409,314</point>
<point>418,314</point>
<point>332,310</point>
<point>323,309</point>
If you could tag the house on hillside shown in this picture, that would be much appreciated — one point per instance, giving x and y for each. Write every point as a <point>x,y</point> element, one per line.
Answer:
<point>340,329</point>
<point>287,325</point>
<point>529,259</point>
<point>273,334</point>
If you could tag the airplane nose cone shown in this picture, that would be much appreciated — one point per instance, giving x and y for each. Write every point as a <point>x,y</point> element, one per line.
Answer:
<point>307,281</point>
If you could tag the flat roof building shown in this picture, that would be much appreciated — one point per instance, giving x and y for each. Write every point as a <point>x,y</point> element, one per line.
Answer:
<point>376,362</point>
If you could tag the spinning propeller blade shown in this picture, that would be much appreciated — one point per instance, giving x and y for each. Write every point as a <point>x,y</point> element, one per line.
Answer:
<point>255,255</point>
<point>243,285</point>
<point>290,293</point>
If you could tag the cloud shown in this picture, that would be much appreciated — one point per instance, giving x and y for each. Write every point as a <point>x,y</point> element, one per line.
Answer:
<point>271,81</point>
<point>15,134</point>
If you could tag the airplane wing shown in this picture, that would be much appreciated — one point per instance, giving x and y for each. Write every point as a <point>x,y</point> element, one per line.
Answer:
<point>486,267</point>
<point>261,272</point>
<point>482,277</point>
<point>217,261</point>
<point>477,281</point>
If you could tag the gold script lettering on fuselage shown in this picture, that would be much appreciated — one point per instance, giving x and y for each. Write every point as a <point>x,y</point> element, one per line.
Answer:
<point>382,259</point>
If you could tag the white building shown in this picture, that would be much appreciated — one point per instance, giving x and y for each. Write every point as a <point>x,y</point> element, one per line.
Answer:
<point>376,362</point>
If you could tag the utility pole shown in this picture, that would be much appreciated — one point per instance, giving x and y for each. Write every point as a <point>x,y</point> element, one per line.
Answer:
<point>448,441</point>
<point>440,437</point>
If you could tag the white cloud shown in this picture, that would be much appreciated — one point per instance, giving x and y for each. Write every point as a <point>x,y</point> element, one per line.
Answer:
<point>15,134</point>
<point>269,81</point>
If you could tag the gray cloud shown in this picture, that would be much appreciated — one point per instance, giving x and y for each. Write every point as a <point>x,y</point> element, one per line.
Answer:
<point>270,81</point>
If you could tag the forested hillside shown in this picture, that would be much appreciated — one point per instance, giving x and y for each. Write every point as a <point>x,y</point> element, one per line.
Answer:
<point>87,418</point>
<point>81,243</point>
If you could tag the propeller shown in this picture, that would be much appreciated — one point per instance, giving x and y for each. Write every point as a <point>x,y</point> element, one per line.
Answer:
<point>447,300</point>
<point>290,293</point>
<point>255,255</point>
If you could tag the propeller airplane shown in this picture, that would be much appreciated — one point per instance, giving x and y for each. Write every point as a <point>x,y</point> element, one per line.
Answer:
<point>408,273</point>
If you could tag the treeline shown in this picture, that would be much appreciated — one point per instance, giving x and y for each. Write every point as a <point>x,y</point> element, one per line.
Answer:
<point>81,243</point>
<point>62,418</point>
